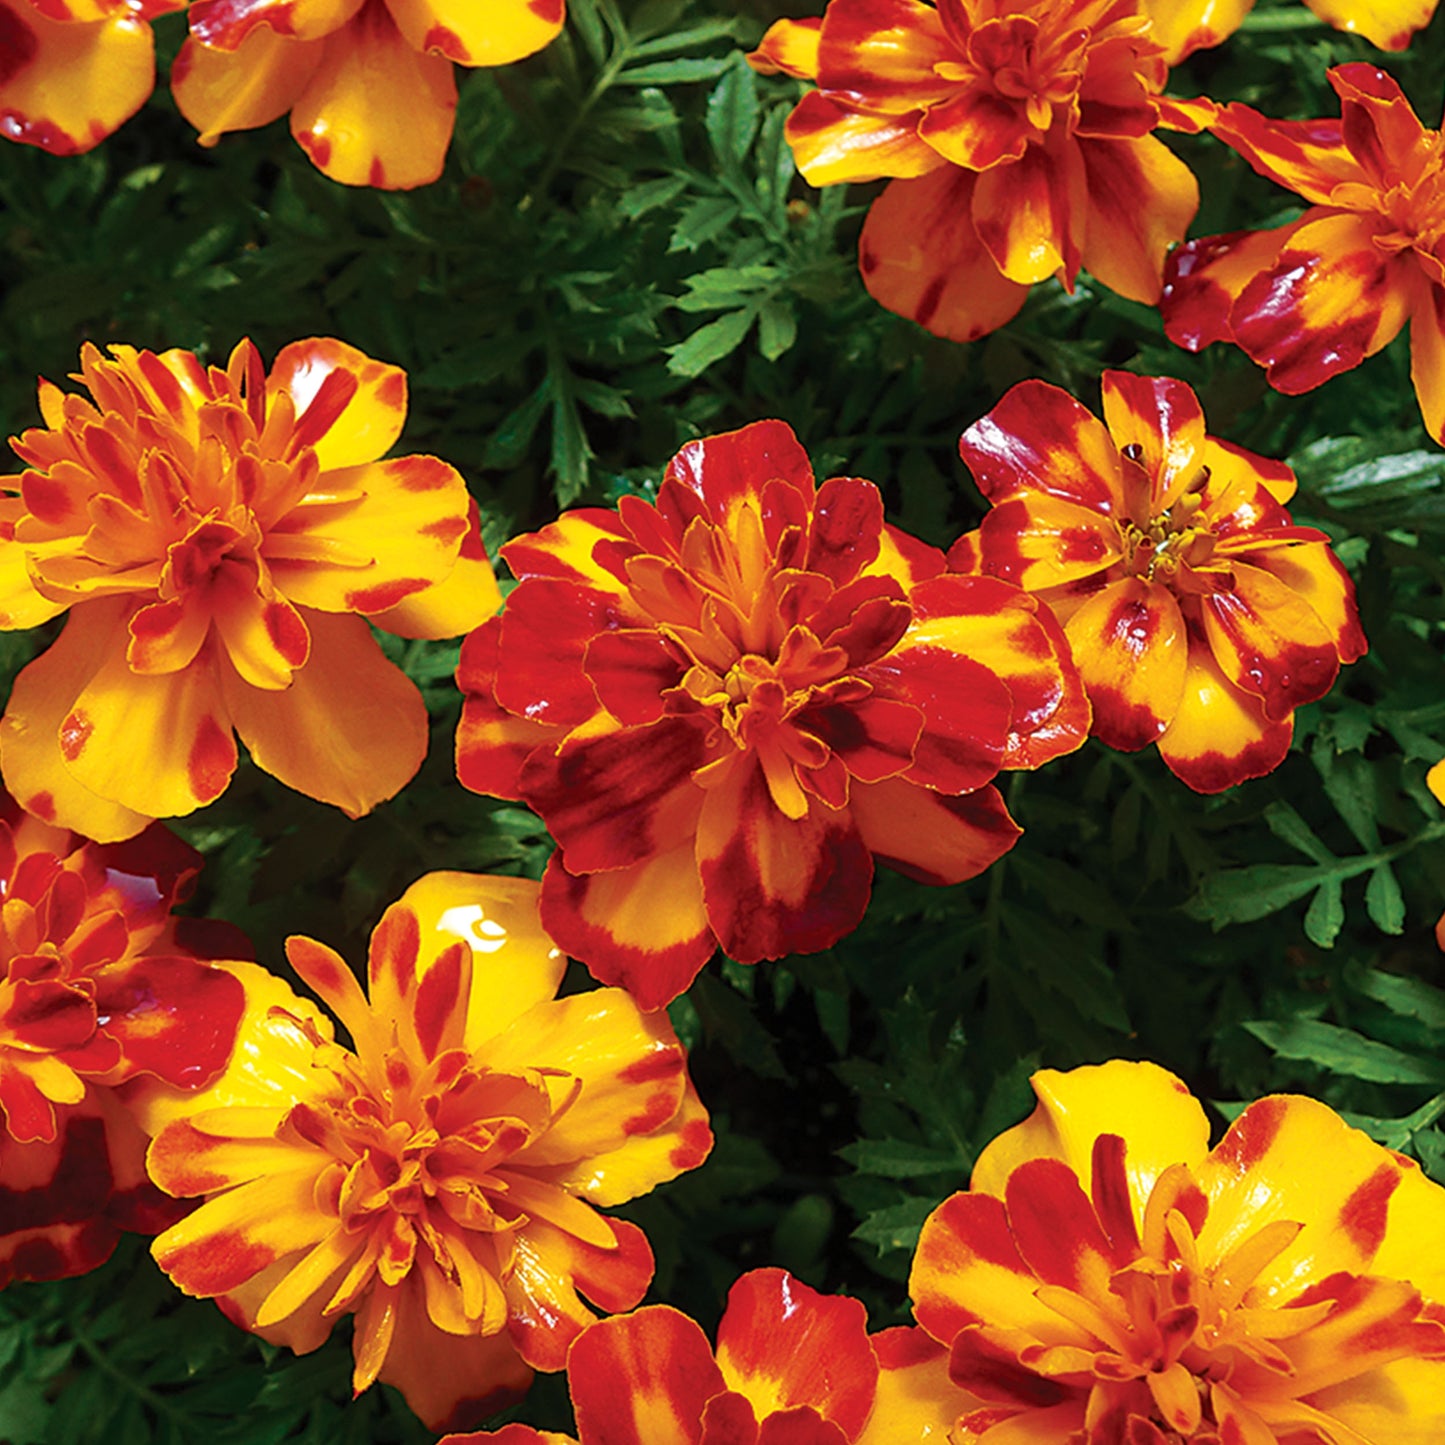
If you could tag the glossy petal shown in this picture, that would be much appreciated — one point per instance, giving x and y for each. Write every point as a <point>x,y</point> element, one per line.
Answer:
<point>1305,156</point>
<point>784,1345</point>
<point>645,927</point>
<point>1165,1126</point>
<point>1427,358</point>
<point>1220,736</point>
<point>1330,300</point>
<point>351,730</point>
<point>492,743</point>
<point>1131,649</point>
<point>1312,571</point>
<point>885,53</point>
<point>65,86</point>
<point>929,837</point>
<point>1390,24</point>
<point>1345,1215</point>
<point>463,600</point>
<point>1042,541</point>
<point>469,35</point>
<point>921,257</point>
<point>1183,26</point>
<point>1269,641</point>
<point>1039,439</point>
<point>1142,198</point>
<point>359,408</point>
<point>1158,421</point>
<point>789,47</point>
<point>1031,216</point>
<point>219,91</point>
<point>833,142</point>
<point>774,885</point>
<point>36,770</point>
<point>916,1400</point>
<point>726,470</point>
<point>643,1379</point>
<point>1204,277</point>
<point>376,112</point>
<point>224,24</point>
<point>1402,1402</point>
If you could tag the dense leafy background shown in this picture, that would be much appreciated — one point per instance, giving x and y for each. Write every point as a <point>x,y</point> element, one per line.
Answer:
<point>618,258</point>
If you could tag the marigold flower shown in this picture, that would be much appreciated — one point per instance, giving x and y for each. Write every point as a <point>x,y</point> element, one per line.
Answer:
<point>368,83</point>
<point>1435,778</point>
<point>221,539</point>
<point>439,1181</point>
<point>1109,1277</point>
<point>727,705</point>
<point>72,71</point>
<point>1200,616</point>
<point>99,986</point>
<point>1313,298</point>
<point>1183,26</point>
<point>791,1366</point>
<point>1019,139</point>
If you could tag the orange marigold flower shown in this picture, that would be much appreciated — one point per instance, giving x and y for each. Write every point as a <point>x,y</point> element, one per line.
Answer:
<point>1109,1277</point>
<point>72,71</point>
<point>439,1181</point>
<point>791,1366</point>
<point>99,986</point>
<point>1313,298</point>
<point>1200,616</point>
<point>1019,139</point>
<point>368,83</point>
<point>726,705</point>
<point>221,539</point>
<point>1183,26</point>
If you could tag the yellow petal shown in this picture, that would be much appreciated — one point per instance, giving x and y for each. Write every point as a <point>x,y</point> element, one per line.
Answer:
<point>471,34</point>
<point>376,112</point>
<point>1160,1121</point>
<point>219,91</point>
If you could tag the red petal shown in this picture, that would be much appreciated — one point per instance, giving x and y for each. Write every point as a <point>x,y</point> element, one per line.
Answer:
<point>630,670</point>
<point>726,469</point>
<point>929,837</point>
<point>492,743</point>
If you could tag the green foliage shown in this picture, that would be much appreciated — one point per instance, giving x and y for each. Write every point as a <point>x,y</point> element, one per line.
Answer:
<point>618,258</point>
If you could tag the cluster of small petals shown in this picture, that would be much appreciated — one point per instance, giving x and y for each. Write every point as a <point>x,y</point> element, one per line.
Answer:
<point>1017,139</point>
<point>440,1179</point>
<point>792,1367</point>
<point>1110,1280</point>
<point>1316,297</point>
<point>727,705</point>
<point>97,991</point>
<point>220,539</point>
<point>1199,615</point>
<point>368,84</point>
<point>72,71</point>
<point>1183,26</point>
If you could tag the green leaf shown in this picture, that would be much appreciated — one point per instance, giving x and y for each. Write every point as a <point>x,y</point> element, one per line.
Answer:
<point>1240,895</point>
<point>1287,825</point>
<point>733,112</point>
<point>672,72</point>
<point>895,1227</point>
<point>1410,997</point>
<point>710,343</point>
<point>701,221</point>
<point>896,1159</point>
<point>1384,902</point>
<point>1345,1052</point>
<point>777,329</point>
<point>1326,915</point>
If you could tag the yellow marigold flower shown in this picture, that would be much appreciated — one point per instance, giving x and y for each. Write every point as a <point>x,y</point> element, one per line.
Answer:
<point>439,1181</point>
<point>368,83</point>
<point>221,539</point>
<point>72,71</point>
<point>1110,1278</point>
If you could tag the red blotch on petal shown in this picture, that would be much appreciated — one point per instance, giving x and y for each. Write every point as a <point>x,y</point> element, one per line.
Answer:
<point>1364,1214</point>
<point>318,147</point>
<point>695,1144</point>
<point>660,1064</point>
<point>212,760</point>
<point>395,948</point>
<point>217,1263</point>
<point>43,806</point>
<point>288,633</point>
<point>384,595</point>
<point>447,42</point>
<point>1249,1138</point>
<point>17,44</point>
<point>549,10</point>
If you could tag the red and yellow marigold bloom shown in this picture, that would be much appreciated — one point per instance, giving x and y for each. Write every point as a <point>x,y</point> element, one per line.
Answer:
<point>72,71</point>
<point>1018,139</point>
<point>222,539</point>
<point>1199,615</point>
<point>368,84</point>
<point>792,1367</point>
<point>1109,1278</point>
<point>727,705</point>
<point>1183,26</point>
<point>97,991</point>
<point>441,1178</point>
<point>1313,298</point>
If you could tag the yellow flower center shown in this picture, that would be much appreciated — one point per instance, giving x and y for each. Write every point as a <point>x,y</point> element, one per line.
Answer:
<point>1161,546</point>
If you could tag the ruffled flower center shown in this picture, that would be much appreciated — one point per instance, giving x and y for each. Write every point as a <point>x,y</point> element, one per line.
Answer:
<point>1164,546</point>
<point>1159,1344</point>
<point>1024,61</point>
